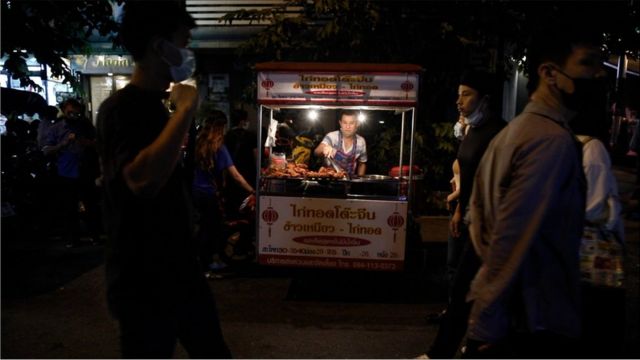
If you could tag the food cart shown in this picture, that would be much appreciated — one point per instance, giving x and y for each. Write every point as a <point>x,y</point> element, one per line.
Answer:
<point>314,216</point>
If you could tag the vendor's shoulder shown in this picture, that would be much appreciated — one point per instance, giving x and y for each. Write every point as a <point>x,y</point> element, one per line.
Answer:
<point>333,134</point>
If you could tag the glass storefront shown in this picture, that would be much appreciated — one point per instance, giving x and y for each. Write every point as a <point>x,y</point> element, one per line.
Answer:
<point>101,87</point>
<point>52,88</point>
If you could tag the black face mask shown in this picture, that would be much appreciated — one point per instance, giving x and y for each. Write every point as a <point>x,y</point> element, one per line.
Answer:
<point>585,93</point>
<point>74,119</point>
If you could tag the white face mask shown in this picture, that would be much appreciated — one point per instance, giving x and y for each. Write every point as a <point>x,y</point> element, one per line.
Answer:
<point>475,117</point>
<point>186,66</point>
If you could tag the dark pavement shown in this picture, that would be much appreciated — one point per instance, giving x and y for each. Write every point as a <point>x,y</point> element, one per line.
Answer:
<point>53,304</point>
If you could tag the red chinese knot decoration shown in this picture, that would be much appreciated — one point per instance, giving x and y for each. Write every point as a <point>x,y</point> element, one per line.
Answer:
<point>395,220</point>
<point>407,86</point>
<point>270,215</point>
<point>267,84</point>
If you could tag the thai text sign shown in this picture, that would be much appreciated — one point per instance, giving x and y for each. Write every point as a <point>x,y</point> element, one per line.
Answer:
<point>352,88</point>
<point>332,233</point>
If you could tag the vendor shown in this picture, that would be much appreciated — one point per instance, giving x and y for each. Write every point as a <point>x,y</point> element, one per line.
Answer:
<point>344,146</point>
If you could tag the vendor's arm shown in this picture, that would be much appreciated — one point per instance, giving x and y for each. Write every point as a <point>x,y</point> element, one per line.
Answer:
<point>319,149</point>
<point>324,149</point>
<point>148,172</point>
<point>362,168</point>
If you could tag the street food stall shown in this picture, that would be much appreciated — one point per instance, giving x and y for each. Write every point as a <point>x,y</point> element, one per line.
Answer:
<point>311,212</point>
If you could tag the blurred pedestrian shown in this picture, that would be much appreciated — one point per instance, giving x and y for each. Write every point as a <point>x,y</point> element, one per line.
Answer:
<point>212,161</point>
<point>48,118</point>
<point>242,144</point>
<point>527,210</point>
<point>476,93</point>
<point>603,306</point>
<point>154,284</point>
<point>634,125</point>
<point>71,142</point>
<point>634,144</point>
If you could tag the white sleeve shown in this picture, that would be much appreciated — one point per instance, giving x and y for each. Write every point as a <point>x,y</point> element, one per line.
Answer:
<point>603,204</point>
<point>327,140</point>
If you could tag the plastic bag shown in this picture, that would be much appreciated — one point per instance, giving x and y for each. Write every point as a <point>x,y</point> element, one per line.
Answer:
<point>601,258</point>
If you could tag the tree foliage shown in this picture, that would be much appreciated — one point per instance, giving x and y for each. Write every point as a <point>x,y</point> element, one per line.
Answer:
<point>51,30</point>
<point>442,36</point>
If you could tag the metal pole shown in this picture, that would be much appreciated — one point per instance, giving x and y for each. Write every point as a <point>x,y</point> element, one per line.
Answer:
<point>410,183</point>
<point>257,184</point>
<point>401,145</point>
<point>621,72</point>
<point>618,111</point>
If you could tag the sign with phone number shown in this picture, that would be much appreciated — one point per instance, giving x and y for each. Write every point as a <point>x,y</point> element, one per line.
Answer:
<point>332,233</point>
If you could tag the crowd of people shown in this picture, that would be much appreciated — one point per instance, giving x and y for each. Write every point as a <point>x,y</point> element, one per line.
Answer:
<point>50,168</point>
<point>526,194</point>
<point>523,192</point>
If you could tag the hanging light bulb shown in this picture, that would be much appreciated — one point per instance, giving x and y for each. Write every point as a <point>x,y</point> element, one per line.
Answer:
<point>312,115</point>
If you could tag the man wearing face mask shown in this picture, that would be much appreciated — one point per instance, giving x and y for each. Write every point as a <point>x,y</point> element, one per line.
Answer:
<point>527,209</point>
<point>475,96</point>
<point>155,287</point>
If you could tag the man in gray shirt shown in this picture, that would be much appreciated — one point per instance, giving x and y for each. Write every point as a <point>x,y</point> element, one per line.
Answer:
<point>527,211</point>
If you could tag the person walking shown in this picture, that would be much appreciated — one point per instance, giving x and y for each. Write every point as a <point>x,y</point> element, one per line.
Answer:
<point>212,160</point>
<point>48,118</point>
<point>602,306</point>
<point>527,210</point>
<point>71,142</point>
<point>475,97</point>
<point>155,288</point>
<point>242,144</point>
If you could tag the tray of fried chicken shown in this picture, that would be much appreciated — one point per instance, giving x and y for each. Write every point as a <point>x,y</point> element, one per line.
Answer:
<point>302,172</point>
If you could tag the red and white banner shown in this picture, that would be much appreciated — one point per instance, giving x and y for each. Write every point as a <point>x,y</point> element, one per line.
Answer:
<point>389,89</point>
<point>332,233</point>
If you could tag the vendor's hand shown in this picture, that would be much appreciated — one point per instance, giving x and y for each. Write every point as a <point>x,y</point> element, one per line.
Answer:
<point>328,152</point>
<point>454,224</point>
<point>184,97</point>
